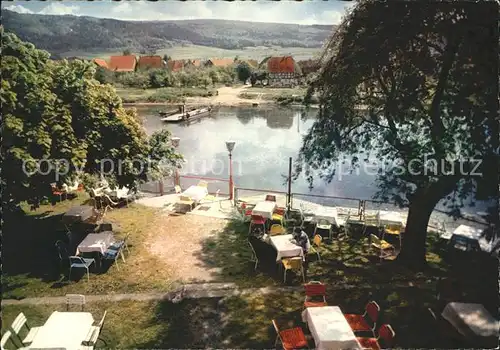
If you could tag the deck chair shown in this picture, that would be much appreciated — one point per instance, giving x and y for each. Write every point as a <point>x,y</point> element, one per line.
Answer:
<point>294,264</point>
<point>317,240</point>
<point>315,294</point>
<point>20,322</point>
<point>75,299</point>
<point>78,262</point>
<point>93,335</point>
<point>387,250</point>
<point>254,255</point>
<point>291,339</point>
<point>276,230</point>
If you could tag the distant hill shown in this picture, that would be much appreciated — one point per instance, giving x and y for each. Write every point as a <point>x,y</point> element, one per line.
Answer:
<point>60,34</point>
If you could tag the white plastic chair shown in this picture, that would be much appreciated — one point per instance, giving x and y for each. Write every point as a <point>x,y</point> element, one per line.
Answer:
<point>93,335</point>
<point>75,299</point>
<point>18,324</point>
<point>80,263</point>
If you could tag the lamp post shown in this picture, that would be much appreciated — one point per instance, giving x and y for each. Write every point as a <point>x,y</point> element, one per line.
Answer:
<point>175,143</point>
<point>230,147</point>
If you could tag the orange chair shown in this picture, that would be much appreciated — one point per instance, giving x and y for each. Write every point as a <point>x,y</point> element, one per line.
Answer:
<point>257,220</point>
<point>385,333</point>
<point>359,323</point>
<point>291,339</point>
<point>315,294</point>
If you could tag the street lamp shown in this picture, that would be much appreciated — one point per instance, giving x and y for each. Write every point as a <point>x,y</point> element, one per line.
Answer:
<point>230,147</point>
<point>175,143</point>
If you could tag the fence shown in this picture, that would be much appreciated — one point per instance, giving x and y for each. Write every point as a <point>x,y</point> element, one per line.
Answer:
<point>166,185</point>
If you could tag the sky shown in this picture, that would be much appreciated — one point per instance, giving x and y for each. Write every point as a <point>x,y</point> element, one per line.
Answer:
<point>305,12</point>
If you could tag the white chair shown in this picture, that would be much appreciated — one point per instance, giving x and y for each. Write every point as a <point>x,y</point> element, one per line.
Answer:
<point>323,224</point>
<point>254,256</point>
<point>93,335</point>
<point>75,299</point>
<point>178,189</point>
<point>18,324</point>
<point>80,263</point>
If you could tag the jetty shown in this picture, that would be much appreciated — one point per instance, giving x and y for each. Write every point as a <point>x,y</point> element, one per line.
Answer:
<point>184,114</point>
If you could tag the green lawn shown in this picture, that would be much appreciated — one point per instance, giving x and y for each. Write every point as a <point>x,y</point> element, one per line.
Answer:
<point>170,94</point>
<point>280,95</point>
<point>31,265</point>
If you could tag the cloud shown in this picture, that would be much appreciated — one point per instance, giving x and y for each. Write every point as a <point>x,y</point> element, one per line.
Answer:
<point>18,9</point>
<point>60,9</point>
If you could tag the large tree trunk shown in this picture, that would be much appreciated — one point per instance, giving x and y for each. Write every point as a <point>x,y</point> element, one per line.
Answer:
<point>421,206</point>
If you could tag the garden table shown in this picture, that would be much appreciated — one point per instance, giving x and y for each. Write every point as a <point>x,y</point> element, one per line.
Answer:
<point>472,321</point>
<point>78,214</point>
<point>327,213</point>
<point>196,193</point>
<point>285,248</point>
<point>329,328</point>
<point>96,242</point>
<point>475,234</point>
<point>264,209</point>
<point>119,193</point>
<point>63,330</point>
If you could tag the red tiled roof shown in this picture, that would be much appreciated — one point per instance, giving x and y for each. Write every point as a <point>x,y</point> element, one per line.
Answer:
<point>175,65</point>
<point>150,62</point>
<point>101,63</point>
<point>122,63</point>
<point>221,62</point>
<point>284,64</point>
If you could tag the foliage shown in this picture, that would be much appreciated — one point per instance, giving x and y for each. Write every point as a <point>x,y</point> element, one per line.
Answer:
<point>103,75</point>
<point>163,157</point>
<point>243,71</point>
<point>428,92</point>
<point>58,113</point>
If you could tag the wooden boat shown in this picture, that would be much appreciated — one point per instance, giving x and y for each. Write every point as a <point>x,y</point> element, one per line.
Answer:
<point>184,115</point>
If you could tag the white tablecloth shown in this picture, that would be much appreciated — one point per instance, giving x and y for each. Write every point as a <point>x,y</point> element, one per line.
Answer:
<point>196,193</point>
<point>327,213</point>
<point>63,330</point>
<point>329,328</point>
<point>471,320</point>
<point>96,242</point>
<point>474,234</point>
<point>117,193</point>
<point>264,209</point>
<point>284,247</point>
<point>390,218</point>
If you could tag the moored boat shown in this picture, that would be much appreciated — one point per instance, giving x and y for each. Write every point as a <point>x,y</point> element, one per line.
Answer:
<point>184,115</point>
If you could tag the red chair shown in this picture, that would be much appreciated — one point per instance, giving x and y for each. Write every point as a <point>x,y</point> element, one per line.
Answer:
<point>257,220</point>
<point>57,192</point>
<point>359,323</point>
<point>315,294</point>
<point>291,339</point>
<point>270,198</point>
<point>385,333</point>
<point>279,211</point>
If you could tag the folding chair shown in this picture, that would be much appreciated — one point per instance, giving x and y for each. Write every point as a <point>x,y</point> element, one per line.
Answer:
<point>257,220</point>
<point>387,250</point>
<point>359,323</point>
<point>20,322</point>
<point>75,299</point>
<point>291,339</point>
<point>79,262</point>
<point>315,294</point>
<point>294,264</point>
<point>93,335</point>
<point>385,333</point>
<point>317,240</point>
<point>254,255</point>
<point>276,230</point>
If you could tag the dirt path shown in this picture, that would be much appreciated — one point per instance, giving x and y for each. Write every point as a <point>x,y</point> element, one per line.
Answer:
<point>179,243</point>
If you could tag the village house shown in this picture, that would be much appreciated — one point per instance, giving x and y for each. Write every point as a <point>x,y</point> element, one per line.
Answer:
<point>175,65</point>
<point>219,62</point>
<point>101,63</point>
<point>122,63</point>
<point>151,62</point>
<point>282,71</point>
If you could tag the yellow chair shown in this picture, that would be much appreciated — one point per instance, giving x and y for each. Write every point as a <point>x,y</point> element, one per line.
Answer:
<point>317,240</point>
<point>276,230</point>
<point>386,249</point>
<point>203,184</point>
<point>185,200</point>
<point>294,264</point>
<point>394,229</point>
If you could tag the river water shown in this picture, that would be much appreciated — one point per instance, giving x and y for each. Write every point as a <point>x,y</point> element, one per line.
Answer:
<point>265,139</point>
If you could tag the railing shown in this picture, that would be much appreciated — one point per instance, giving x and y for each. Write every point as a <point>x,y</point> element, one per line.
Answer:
<point>167,184</point>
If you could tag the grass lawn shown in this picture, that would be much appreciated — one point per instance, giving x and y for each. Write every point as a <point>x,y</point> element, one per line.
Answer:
<point>170,94</point>
<point>265,93</point>
<point>31,265</point>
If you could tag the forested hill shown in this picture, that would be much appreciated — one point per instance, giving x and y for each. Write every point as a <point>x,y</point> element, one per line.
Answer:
<point>67,33</point>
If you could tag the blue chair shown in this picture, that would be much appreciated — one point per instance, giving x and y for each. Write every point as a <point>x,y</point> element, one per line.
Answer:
<point>79,262</point>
